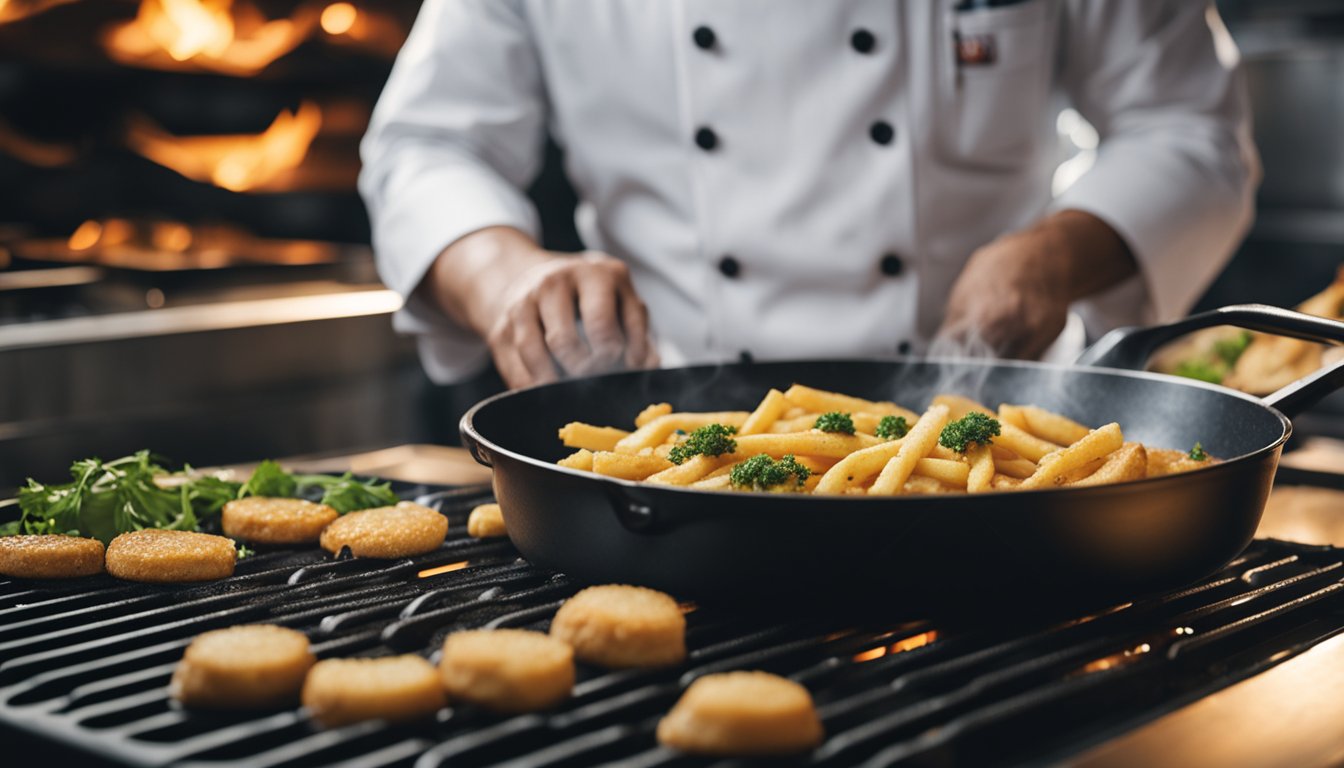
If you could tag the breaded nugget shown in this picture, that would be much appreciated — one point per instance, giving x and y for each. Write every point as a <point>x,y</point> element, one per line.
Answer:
<point>50,556</point>
<point>276,521</point>
<point>396,688</point>
<point>507,670</point>
<point>400,531</point>
<point>742,714</point>
<point>622,626</point>
<point>486,521</point>
<point>170,556</point>
<point>250,666</point>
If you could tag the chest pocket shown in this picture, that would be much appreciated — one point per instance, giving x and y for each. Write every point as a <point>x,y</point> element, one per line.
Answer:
<point>995,69</point>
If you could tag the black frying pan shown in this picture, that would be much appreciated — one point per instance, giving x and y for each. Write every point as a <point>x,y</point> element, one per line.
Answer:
<point>1055,547</point>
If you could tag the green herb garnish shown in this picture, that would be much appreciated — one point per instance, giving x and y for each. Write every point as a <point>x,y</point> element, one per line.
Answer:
<point>892,427</point>
<point>835,421</point>
<point>971,428</point>
<point>709,440</point>
<point>1198,453</point>
<point>762,473</point>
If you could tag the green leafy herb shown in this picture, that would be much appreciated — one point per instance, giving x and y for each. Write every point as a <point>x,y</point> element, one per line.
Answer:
<point>1229,350</point>
<point>835,421</point>
<point>1202,371</point>
<point>108,498</point>
<point>892,427</point>
<point>245,551</point>
<point>971,428</point>
<point>762,473</point>
<point>347,493</point>
<point>270,479</point>
<point>709,440</point>
<point>105,498</point>
<point>1198,453</point>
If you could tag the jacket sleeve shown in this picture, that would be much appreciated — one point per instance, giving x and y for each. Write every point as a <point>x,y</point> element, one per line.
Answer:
<point>455,137</point>
<point>1176,170</point>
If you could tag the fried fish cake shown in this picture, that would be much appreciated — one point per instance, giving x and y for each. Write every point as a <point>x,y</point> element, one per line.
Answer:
<point>276,521</point>
<point>622,626</point>
<point>50,556</point>
<point>507,670</point>
<point>486,521</point>
<point>396,688</point>
<point>387,532</point>
<point>244,667</point>
<point>170,556</point>
<point>742,714</point>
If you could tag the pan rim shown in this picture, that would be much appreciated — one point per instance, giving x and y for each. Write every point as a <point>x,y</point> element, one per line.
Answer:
<point>468,427</point>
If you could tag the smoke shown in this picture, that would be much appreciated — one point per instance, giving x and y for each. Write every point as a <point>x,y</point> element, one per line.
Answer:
<point>963,364</point>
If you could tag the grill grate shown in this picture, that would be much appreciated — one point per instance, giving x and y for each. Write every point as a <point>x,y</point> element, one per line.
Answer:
<point>86,663</point>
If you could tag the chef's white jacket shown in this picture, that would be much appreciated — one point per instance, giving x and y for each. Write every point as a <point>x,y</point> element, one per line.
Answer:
<point>806,178</point>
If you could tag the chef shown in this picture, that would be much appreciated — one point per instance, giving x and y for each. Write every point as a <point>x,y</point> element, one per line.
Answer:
<point>791,178</point>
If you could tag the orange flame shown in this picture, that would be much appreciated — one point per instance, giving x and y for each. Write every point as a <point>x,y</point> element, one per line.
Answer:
<point>14,10</point>
<point>442,569</point>
<point>900,646</point>
<point>213,35</point>
<point>239,162</point>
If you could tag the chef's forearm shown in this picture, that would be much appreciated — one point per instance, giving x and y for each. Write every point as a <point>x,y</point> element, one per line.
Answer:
<point>1087,255</point>
<point>470,276</point>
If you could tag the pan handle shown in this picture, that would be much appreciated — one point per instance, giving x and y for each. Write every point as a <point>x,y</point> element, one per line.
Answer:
<point>1132,347</point>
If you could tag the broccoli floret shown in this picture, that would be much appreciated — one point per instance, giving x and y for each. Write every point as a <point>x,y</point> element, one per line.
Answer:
<point>1228,350</point>
<point>709,440</point>
<point>1198,453</point>
<point>835,421</point>
<point>1201,371</point>
<point>892,427</point>
<point>762,473</point>
<point>971,428</point>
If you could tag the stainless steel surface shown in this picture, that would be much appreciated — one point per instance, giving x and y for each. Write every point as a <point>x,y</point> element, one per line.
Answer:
<point>206,384</point>
<point>231,315</point>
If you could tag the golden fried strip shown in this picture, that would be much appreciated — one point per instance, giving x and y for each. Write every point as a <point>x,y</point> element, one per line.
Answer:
<point>832,444</point>
<point>1005,483</point>
<point>651,412</point>
<point>915,446</point>
<point>821,401</point>
<point>766,414</point>
<point>944,471</point>
<point>1016,467</point>
<point>656,431</point>
<point>576,434</point>
<point>580,459</point>
<point>982,469</point>
<point>1129,462</point>
<point>1053,467</point>
<point>1023,443</point>
<point>687,472</point>
<point>628,466</point>
<point>714,483</point>
<point>858,466</point>
<point>1044,424</point>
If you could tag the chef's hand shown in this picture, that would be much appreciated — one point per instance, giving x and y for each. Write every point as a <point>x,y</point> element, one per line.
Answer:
<point>526,302</point>
<point>1014,293</point>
